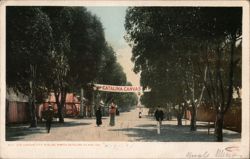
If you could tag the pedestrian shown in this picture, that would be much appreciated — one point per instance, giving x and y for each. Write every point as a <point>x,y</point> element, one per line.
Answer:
<point>117,112</point>
<point>49,113</point>
<point>98,115</point>
<point>139,114</point>
<point>112,112</point>
<point>159,115</point>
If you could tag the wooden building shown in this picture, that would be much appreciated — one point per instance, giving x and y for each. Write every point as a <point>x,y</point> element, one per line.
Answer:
<point>232,118</point>
<point>17,107</point>
<point>71,107</point>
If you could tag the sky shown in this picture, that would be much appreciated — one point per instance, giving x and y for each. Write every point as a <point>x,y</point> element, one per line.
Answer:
<point>113,19</point>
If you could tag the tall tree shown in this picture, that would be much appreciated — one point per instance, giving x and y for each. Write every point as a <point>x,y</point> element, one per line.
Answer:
<point>162,64</point>
<point>221,61</point>
<point>78,41</point>
<point>58,81</point>
<point>87,45</point>
<point>28,50</point>
<point>169,40</point>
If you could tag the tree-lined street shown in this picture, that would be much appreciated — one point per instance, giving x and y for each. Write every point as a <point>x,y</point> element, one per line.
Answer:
<point>189,60</point>
<point>114,80</point>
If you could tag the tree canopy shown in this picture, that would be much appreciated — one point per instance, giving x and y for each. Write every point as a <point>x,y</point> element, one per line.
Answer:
<point>180,51</point>
<point>28,47</point>
<point>60,50</point>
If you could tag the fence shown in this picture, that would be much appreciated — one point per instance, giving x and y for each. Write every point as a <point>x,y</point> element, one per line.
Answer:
<point>232,118</point>
<point>17,112</point>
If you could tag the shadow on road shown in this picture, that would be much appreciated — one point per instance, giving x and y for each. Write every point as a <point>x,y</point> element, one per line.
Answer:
<point>16,132</point>
<point>170,133</point>
<point>68,124</point>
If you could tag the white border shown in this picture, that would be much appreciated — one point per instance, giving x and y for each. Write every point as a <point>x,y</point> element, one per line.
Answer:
<point>125,3</point>
<point>126,149</point>
<point>2,77</point>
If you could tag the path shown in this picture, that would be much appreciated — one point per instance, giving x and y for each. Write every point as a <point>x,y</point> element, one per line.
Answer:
<point>128,128</point>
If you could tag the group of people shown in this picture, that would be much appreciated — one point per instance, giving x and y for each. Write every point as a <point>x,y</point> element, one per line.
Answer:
<point>113,111</point>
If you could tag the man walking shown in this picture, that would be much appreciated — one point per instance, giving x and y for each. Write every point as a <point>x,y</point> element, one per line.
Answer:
<point>49,113</point>
<point>159,117</point>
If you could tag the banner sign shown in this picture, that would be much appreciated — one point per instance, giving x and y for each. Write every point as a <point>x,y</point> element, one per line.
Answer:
<point>113,88</point>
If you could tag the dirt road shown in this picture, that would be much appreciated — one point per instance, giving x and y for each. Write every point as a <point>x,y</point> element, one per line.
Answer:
<point>128,127</point>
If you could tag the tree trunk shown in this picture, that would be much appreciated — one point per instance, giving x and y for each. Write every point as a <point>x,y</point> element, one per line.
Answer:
<point>180,115</point>
<point>193,119</point>
<point>220,114</point>
<point>60,113</point>
<point>63,104</point>
<point>32,106</point>
<point>81,104</point>
<point>33,119</point>
<point>219,127</point>
<point>179,119</point>
<point>60,109</point>
<point>60,105</point>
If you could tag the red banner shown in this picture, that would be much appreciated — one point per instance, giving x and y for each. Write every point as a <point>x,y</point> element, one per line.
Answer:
<point>113,88</point>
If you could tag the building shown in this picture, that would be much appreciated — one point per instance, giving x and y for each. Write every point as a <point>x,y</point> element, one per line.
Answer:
<point>71,107</point>
<point>17,107</point>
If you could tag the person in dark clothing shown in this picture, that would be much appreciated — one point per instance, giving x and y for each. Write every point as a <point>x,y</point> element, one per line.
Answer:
<point>117,112</point>
<point>140,114</point>
<point>159,115</point>
<point>49,114</point>
<point>98,115</point>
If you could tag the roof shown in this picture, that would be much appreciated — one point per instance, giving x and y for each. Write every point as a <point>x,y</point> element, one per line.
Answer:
<point>70,98</point>
<point>13,96</point>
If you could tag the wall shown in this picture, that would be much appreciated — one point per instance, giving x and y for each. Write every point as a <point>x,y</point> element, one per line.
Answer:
<point>17,112</point>
<point>232,118</point>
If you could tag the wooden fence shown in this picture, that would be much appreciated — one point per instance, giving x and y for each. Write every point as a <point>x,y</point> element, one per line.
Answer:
<point>17,112</point>
<point>232,118</point>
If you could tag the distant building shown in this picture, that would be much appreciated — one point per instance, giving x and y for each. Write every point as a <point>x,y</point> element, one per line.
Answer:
<point>17,106</point>
<point>71,107</point>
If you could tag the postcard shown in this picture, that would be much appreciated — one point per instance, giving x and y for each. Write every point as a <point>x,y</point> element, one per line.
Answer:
<point>124,79</point>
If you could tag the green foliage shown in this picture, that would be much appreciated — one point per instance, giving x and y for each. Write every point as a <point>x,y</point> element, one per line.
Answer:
<point>170,46</point>
<point>111,72</point>
<point>78,40</point>
<point>28,48</point>
<point>59,49</point>
<point>87,45</point>
<point>154,34</point>
<point>126,101</point>
<point>61,23</point>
